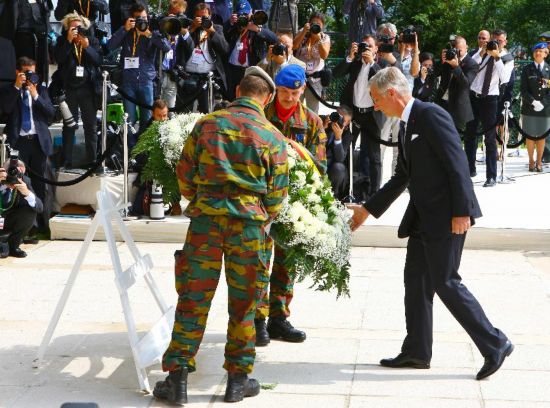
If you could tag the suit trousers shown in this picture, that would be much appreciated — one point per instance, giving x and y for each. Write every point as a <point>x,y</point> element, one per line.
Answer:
<point>83,98</point>
<point>339,179</point>
<point>234,75</point>
<point>34,158</point>
<point>18,222</point>
<point>485,111</point>
<point>431,267</point>
<point>370,160</point>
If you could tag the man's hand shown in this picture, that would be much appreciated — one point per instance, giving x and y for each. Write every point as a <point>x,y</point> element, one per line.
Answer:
<point>388,56</point>
<point>147,33</point>
<point>360,214</point>
<point>22,188</point>
<point>252,27</point>
<point>423,73</point>
<point>129,24</point>
<point>233,19</point>
<point>494,53</point>
<point>32,90</point>
<point>3,174</point>
<point>353,50</point>
<point>338,131</point>
<point>453,63</point>
<point>84,41</point>
<point>20,80</point>
<point>368,57</point>
<point>306,28</point>
<point>459,225</point>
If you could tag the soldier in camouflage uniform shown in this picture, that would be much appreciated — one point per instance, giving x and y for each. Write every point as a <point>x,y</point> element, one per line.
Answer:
<point>234,172</point>
<point>298,123</point>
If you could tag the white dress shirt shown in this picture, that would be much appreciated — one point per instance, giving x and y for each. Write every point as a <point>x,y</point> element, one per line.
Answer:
<point>361,94</point>
<point>407,112</point>
<point>501,73</point>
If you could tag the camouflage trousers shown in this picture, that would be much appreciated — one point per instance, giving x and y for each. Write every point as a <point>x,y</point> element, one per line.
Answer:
<point>281,286</point>
<point>241,245</point>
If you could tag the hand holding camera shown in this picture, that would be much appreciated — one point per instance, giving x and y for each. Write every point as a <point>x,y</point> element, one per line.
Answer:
<point>130,24</point>
<point>353,50</point>
<point>20,80</point>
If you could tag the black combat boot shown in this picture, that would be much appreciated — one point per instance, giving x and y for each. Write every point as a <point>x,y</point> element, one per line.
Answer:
<point>262,336</point>
<point>240,386</point>
<point>174,388</point>
<point>280,328</point>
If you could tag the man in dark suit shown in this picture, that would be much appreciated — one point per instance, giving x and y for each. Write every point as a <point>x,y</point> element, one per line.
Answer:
<point>27,126</point>
<point>426,81</point>
<point>360,69</point>
<point>457,75</point>
<point>442,207</point>
<point>18,208</point>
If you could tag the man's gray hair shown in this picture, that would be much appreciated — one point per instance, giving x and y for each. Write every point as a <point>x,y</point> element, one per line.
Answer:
<point>387,26</point>
<point>6,164</point>
<point>390,77</point>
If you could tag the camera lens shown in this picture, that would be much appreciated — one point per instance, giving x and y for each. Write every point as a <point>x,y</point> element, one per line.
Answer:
<point>315,28</point>
<point>206,23</point>
<point>278,49</point>
<point>242,20</point>
<point>141,24</point>
<point>492,45</point>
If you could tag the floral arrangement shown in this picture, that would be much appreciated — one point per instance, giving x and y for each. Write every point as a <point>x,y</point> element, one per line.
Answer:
<point>163,143</point>
<point>314,228</point>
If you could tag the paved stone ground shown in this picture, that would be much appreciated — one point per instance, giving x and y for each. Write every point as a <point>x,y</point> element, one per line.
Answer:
<point>89,358</point>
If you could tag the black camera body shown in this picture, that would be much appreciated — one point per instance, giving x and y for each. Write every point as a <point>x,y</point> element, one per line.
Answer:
<point>242,20</point>
<point>385,44</point>
<point>13,173</point>
<point>142,24</point>
<point>361,48</point>
<point>492,45</point>
<point>83,32</point>
<point>335,117</point>
<point>206,22</point>
<point>278,49</point>
<point>451,54</point>
<point>315,28</point>
<point>32,77</point>
<point>409,34</point>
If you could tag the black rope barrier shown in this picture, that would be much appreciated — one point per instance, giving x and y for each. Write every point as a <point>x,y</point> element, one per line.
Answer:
<point>515,123</point>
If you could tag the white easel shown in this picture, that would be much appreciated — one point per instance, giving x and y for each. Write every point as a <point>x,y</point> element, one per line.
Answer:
<point>147,350</point>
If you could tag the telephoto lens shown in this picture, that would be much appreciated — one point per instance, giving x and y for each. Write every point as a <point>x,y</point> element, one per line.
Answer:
<point>451,54</point>
<point>142,24</point>
<point>206,23</point>
<point>278,49</point>
<point>315,28</point>
<point>335,117</point>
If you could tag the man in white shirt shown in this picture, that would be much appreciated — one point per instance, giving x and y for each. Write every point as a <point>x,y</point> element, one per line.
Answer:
<point>495,69</point>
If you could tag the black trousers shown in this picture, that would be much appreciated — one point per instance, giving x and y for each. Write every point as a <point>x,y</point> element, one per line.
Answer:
<point>18,223</point>
<point>338,176</point>
<point>234,75</point>
<point>370,161</point>
<point>83,98</point>
<point>34,46</point>
<point>202,97</point>
<point>34,158</point>
<point>485,111</point>
<point>431,267</point>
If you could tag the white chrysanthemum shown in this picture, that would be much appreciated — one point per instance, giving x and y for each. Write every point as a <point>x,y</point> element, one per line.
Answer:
<point>173,133</point>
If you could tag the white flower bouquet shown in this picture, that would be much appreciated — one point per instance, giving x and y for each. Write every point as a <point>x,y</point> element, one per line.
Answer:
<point>314,228</point>
<point>163,143</point>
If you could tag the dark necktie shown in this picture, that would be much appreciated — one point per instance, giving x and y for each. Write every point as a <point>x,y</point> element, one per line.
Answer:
<point>401,137</point>
<point>488,75</point>
<point>26,112</point>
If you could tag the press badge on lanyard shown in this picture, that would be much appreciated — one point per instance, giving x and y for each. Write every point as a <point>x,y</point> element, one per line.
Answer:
<point>131,62</point>
<point>79,71</point>
<point>1,223</point>
<point>310,65</point>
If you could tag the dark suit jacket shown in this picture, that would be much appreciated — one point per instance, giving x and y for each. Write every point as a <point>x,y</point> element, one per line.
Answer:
<point>424,91</point>
<point>258,42</point>
<point>532,89</point>
<point>20,201</point>
<point>457,81</point>
<point>338,153</point>
<point>9,13</point>
<point>217,47</point>
<point>42,110</point>
<point>435,169</point>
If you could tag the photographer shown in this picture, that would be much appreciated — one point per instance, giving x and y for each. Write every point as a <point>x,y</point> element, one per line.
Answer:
<point>387,56</point>
<point>279,56</point>
<point>409,53</point>
<point>248,43</point>
<point>203,51</point>
<point>29,112</point>
<point>339,139</point>
<point>18,206</point>
<point>457,74</point>
<point>86,8</point>
<point>169,82</point>
<point>79,57</point>
<point>425,83</point>
<point>120,11</point>
<point>138,59</point>
<point>361,65</point>
<point>363,16</point>
<point>312,47</point>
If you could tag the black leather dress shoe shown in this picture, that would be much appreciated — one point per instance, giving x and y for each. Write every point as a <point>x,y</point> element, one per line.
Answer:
<point>490,183</point>
<point>18,253</point>
<point>403,360</point>
<point>262,336</point>
<point>174,388</point>
<point>239,386</point>
<point>280,328</point>
<point>493,363</point>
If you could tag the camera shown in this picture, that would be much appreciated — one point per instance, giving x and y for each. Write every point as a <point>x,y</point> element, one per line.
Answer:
<point>242,20</point>
<point>385,43</point>
<point>32,77</point>
<point>451,54</point>
<point>492,45</point>
<point>430,72</point>
<point>80,30</point>
<point>278,49</point>
<point>142,24</point>
<point>13,173</point>
<point>315,28</point>
<point>335,117</point>
<point>170,25</point>
<point>409,34</point>
<point>206,22</point>
<point>361,48</point>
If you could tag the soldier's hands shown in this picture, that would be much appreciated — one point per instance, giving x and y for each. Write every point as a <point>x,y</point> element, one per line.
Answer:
<point>459,225</point>
<point>360,214</point>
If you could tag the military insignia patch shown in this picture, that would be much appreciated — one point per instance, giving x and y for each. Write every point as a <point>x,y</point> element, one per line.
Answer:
<point>296,84</point>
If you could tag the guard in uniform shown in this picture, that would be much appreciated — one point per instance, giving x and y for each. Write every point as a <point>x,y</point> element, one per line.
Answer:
<point>302,125</point>
<point>234,171</point>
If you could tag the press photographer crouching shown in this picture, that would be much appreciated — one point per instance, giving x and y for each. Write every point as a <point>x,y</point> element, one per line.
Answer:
<point>279,56</point>
<point>426,82</point>
<point>339,139</point>
<point>201,52</point>
<point>18,206</point>
<point>79,57</point>
<point>138,58</point>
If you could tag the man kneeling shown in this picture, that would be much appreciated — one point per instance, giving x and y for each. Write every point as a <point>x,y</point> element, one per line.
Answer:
<point>234,172</point>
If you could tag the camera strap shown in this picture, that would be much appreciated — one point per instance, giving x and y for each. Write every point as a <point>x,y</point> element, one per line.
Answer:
<point>78,53</point>
<point>87,14</point>
<point>484,66</point>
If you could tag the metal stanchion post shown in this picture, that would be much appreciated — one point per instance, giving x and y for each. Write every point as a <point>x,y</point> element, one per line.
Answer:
<point>3,149</point>
<point>503,179</point>
<point>210,92</point>
<point>125,177</point>
<point>103,168</point>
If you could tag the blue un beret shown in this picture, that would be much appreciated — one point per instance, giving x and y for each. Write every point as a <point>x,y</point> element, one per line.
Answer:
<point>292,76</point>
<point>243,7</point>
<point>540,45</point>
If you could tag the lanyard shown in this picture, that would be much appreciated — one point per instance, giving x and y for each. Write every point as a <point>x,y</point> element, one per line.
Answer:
<point>78,53</point>
<point>10,203</point>
<point>87,14</point>
<point>136,41</point>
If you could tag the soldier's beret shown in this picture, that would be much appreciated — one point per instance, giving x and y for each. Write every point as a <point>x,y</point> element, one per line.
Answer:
<point>257,71</point>
<point>540,45</point>
<point>292,76</point>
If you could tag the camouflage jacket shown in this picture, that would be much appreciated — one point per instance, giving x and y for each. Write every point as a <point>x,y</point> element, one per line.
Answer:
<point>234,163</point>
<point>305,127</point>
